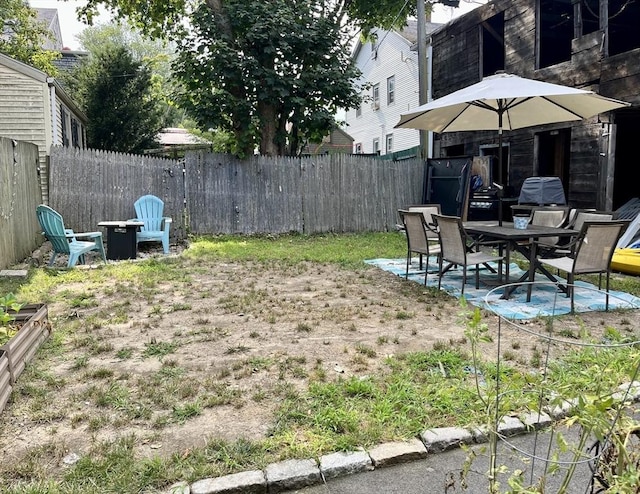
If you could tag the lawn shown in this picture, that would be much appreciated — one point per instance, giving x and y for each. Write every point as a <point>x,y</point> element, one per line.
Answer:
<point>242,351</point>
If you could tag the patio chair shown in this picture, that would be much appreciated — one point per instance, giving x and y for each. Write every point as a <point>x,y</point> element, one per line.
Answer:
<point>553,217</point>
<point>593,249</point>
<point>427,210</point>
<point>64,240</point>
<point>590,215</point>
<point>575,223</point>
<point>416,229</point>
<point>149,210</point>
<point>453,243</point>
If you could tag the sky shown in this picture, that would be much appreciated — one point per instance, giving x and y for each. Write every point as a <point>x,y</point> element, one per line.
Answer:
<point>69,23</point>
<point>70,26</point>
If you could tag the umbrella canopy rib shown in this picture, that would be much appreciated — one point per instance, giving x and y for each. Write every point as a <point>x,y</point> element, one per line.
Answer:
<point>453,119</point>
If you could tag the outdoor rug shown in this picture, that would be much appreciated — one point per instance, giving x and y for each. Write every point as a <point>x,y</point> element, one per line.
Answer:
<point>546,299</point>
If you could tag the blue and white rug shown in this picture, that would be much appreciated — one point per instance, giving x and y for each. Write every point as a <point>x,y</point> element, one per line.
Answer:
<point>546,299</point>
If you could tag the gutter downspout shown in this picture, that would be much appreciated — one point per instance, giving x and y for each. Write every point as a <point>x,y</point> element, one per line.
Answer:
<point>54,110</point>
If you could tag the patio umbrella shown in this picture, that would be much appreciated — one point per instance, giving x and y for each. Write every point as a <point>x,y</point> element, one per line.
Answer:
<point>506,101</point>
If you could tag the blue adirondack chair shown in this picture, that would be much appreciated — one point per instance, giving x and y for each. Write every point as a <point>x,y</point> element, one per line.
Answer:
<point>64,240</point>
<point>149,210</point>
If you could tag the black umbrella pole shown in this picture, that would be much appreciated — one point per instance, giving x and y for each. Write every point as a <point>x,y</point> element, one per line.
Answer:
<point>501,188</point>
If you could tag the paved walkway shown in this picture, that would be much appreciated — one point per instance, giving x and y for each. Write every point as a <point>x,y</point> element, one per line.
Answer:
<point>435,461</point>
<point>440,473</point>
<point>432,464</point>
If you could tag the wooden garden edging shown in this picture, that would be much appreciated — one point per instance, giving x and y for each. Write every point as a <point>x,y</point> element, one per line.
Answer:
<point>20,349</point>
<point>5,379</point>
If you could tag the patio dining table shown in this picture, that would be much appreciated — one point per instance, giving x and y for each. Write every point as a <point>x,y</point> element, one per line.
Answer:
<point>518,240</point>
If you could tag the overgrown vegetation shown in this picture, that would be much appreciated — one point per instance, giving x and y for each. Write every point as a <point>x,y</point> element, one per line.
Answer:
<point>8,305</point>
<point>23,36</point>
<point>115,91</point>
<point>271,75</point>
<point>391,395</point>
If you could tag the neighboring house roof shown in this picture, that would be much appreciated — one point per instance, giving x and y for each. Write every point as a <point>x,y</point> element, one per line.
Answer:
<point>336,141</point>
<point>51,21</point>
<point>42,77</point>
<point>174,141</point>
<point>338,135</point>
<point>409,33</point>
<point>48,16</point>
<point>70,59</point>
<point>173,136</point>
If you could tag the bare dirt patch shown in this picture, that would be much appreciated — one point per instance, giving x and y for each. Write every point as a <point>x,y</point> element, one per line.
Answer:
<point>208,355</point>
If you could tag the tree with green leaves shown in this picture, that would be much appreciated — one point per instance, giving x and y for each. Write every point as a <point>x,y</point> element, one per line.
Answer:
<point>271,73</point>
<point>156,55</point>
<point>115,91</point>
<point>281,79</point>
<point>22,36</point>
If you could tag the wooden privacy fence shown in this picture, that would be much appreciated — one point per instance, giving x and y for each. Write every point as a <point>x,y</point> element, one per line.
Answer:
<point>325,193</point>
<point>19,196</point>
<point>214,193</point>
<point>88,186</point>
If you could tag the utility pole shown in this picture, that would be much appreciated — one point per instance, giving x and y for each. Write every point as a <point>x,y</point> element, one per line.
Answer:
<point>423,80</point>
<point>423,63</point>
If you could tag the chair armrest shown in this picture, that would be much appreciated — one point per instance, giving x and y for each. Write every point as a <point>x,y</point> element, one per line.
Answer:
<point>567,249</point>
<point>88,234</point>
<point>166,223</point>
<point>431,227</point>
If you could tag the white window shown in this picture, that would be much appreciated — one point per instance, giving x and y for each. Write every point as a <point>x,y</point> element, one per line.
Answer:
<point>389,144</point>
<point>359,111</point>
<point>391,89</point>
<point>376,146</point>
<point>358,148</point>
<point>375,97</point>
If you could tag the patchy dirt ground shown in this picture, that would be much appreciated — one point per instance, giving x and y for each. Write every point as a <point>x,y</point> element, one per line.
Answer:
<point>210,353</point>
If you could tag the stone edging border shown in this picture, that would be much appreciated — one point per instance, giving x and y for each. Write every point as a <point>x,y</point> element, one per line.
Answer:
<point>296,474</point>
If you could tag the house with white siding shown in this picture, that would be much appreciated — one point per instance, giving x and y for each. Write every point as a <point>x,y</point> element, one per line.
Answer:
<point>389,82</point>
<point>35,108</point>
<point>51,20</point>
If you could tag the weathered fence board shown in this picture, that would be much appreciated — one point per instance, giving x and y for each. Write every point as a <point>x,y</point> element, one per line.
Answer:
<point>20,194</point>
<point>259,195</point>
<point>322,194</point>
<point>204,194</point>
<point>327,193</point>
<point>221,194</point>
<point>88,186</point>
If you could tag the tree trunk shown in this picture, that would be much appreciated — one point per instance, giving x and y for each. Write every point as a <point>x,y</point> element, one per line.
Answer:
<point>268,129</point>
<point>221,17</point>
<point>241,128</point>
<point>294,140</point>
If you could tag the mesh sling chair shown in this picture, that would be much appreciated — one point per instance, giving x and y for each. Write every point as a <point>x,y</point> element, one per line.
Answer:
<point>592,252</point>
<point>576,223</point>
<point>454,249</point>
<point>428,210</point>
<point>416,229</point>
<point>553,217</point>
